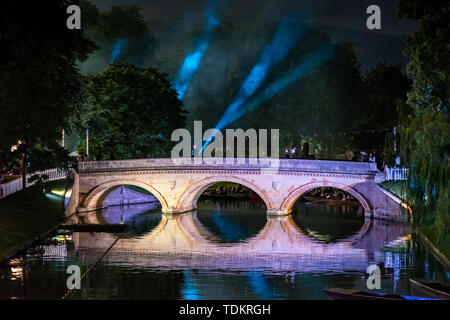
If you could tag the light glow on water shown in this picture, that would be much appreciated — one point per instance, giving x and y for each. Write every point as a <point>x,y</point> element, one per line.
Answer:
<point>178,257</point>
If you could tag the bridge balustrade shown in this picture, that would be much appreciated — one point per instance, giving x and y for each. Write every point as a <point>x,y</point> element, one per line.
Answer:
<point>233,163</point>
<point>396,174</point>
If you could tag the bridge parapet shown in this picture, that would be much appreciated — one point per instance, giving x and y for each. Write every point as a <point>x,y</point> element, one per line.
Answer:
<point>343,167</point>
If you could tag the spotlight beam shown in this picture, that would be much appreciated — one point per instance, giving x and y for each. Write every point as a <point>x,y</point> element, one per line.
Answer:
<point>117,49</point>
<point>311,63</point>
<point>194,58</point>
<point>286,36</point>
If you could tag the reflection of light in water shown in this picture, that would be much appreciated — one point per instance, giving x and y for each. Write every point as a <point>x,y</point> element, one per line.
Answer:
<point>231,221</point>
<point>229,231</point>
<point>259,285</point>
<point>53,196</point>
<point>398,258</point>
<point>183,240</point>
<point>328,221</point>
<point>17,273</point>
<point>399,242</point>
<point>318,236</point>
<point>396,270</point>
<point>427,268</point>
<point>190,289</point>
<point>278,262</point>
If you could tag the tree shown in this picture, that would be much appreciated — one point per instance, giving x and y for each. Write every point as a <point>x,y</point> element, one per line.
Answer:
<point>38,81</point>
<point>121,33</point>
<point>385,86</point>
<point>425,125</point>
<point>130,113</point>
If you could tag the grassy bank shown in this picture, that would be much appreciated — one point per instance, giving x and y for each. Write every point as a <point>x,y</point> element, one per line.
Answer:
<point>398,188</point>
<point>24,217</point>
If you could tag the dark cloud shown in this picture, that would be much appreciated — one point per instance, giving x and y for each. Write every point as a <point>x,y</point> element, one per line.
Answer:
<point>343,20</point>
<point>350,14</point>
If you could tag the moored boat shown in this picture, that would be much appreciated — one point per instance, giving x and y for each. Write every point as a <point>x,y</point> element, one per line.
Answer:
<point>431,288</point>
<point>351,294</point>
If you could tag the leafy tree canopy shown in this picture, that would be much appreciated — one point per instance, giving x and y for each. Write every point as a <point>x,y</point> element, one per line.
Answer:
<point>121,33</point>
<point>130,112</point>
<point>38,80</point>
<point>425,135</point>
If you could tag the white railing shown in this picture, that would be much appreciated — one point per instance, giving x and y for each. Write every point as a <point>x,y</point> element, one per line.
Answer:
<point>14,186</point>
<point>396,174</point>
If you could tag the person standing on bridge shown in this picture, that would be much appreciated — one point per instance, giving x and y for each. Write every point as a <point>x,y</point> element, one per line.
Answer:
<point>293,151</point>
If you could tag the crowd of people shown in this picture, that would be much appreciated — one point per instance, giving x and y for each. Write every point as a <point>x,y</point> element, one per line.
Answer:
<point>364,157</point>
<point>294,153</point>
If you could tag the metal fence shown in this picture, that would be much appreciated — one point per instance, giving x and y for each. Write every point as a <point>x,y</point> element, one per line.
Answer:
<point>396,174</point>
<point>13,186</point>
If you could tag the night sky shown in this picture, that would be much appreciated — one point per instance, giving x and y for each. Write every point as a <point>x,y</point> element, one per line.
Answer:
<point>343,20</point>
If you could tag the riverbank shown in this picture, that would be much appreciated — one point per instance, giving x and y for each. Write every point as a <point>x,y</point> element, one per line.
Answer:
<point>25,217</point>
<point>440,251</point>
<point>428,234</point>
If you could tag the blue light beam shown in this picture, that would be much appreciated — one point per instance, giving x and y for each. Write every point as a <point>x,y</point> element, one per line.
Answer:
<point>311,63</point>
<point>117,49</point>
<point>192,61</point>
<point>286,36</point>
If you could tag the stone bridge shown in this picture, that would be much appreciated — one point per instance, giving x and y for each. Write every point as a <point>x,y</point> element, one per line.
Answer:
<point>178,186</point>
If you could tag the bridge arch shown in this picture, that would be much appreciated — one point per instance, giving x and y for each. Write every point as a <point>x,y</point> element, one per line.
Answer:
<point>189,198</point>
<point>293,196</point>
<point>94,195</point>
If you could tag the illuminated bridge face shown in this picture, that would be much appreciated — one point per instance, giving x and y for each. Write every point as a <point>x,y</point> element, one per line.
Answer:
<point>178,187</point>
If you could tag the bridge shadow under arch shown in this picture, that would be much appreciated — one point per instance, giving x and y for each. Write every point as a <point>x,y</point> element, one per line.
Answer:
<point>296,194</point>
<point>94,197</point>
<point>190,197</point>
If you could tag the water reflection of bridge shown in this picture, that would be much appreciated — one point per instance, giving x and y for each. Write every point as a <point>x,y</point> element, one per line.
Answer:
<point>181,240</point>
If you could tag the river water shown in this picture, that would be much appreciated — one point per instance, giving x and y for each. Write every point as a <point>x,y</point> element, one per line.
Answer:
<point>225,250</point>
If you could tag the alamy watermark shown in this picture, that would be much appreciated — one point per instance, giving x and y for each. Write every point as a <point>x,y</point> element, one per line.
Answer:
<point>74,20</point>
<point>237,147</point>
<point>374,20</point>
<point>74,280</point>
<point>374,279</point>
